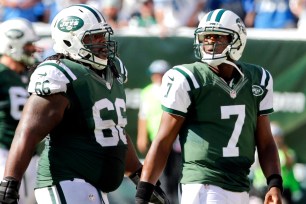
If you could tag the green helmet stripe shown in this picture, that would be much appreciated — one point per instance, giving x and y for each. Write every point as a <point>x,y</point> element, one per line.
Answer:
<point>209,16</point>
<point>219,15</point>
<point>92,11</point>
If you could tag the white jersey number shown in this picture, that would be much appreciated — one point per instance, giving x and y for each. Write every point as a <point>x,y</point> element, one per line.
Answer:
<point>226,111</point>
<point>18,97</point>
<point>100,124</point>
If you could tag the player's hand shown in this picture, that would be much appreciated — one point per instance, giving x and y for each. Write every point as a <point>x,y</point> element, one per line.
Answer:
<point>273,196</point>
<point>140,201</point>
<point>148,193</point>
<point>9,188</point>
<point>159,196</point>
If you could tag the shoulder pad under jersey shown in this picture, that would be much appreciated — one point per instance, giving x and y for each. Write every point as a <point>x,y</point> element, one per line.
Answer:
<point>121,69</point>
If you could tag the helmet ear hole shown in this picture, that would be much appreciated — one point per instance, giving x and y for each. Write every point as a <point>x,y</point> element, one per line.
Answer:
<point>230,38</point>
<point>67,43</point>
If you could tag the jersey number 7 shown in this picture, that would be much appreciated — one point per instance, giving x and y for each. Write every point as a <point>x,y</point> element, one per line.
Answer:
<point>226,111</point>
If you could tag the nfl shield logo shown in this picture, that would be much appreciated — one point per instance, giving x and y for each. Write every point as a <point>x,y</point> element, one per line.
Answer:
<point>233,94</point>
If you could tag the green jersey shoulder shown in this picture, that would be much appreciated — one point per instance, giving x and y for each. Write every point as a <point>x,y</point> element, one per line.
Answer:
<point>53,76</point>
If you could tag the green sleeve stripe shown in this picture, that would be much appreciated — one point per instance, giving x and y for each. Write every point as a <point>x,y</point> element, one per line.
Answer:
<point>174,112</point>
<point>193,84</point>
<point>268,78</point>
<point>266,112</point>
<point>265,77</point>
<point>123,70</point>
<point>52,196</point>
<point>70,76</point>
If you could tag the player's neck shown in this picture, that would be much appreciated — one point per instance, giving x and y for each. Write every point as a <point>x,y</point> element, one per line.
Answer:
<point>225,71</point>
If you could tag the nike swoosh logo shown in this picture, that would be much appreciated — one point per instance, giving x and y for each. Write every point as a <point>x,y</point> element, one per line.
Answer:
<point>171,78</point>
<point>44,74</point>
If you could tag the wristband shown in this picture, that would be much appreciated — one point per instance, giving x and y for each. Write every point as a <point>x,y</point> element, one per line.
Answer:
<point>10,182</point>
<point>135,177</point>
<point>9,188</point>
<point>144,190</point>
<point>275,180</point>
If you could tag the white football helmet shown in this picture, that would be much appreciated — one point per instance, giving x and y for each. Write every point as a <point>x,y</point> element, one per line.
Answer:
<point>14,35</point>
<point>70,26</point>
<point>220,22</point>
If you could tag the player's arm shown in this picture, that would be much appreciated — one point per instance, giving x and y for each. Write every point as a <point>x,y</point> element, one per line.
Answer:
<point>269,159</point>
<point>142,136</point>
<point>142,131</point>
<point>133,170</point>
<point>132,163</point>
<point>157,156</point>
<point>40,115</point>
<point>174,99</point>
<point>42,112</point>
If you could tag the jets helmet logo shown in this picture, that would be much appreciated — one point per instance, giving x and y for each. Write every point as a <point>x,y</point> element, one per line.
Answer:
<point>70,23</point>
<point>241,25</point>
<point>14,34</point>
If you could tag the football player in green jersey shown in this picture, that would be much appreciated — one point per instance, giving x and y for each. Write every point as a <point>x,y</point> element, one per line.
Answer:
<point>219,107</point>
<point>17,51</point>
<point>78,105</point>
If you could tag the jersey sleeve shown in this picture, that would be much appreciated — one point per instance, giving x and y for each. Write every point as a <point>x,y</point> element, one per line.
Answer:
<point>266,104</point>
<point>175,86</point>
<point>50,78</point>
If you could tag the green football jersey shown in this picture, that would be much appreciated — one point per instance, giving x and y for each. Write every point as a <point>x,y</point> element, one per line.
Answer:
<point>13,95</point>
<point>90,142</point>
<point>217,137</point>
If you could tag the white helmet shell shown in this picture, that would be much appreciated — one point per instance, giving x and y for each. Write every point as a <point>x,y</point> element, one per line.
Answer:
<point>221,22</point>
<point>14,35</point>
<point>69,27</point>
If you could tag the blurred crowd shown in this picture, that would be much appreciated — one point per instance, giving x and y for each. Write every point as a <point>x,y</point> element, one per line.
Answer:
<point>166,14</point>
